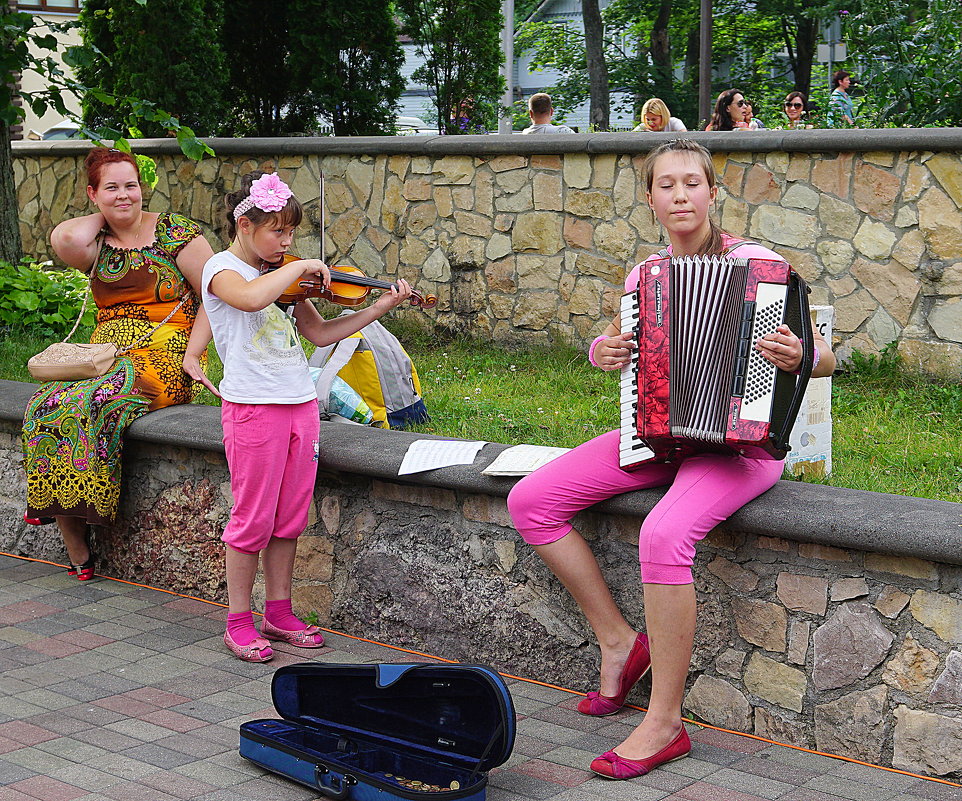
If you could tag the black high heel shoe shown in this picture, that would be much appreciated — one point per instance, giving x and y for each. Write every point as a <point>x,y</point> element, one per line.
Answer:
<point>83,572</point>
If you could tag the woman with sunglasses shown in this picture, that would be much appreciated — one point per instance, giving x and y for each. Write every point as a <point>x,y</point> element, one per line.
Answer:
<point>795,110</point>
<point>729,114</point>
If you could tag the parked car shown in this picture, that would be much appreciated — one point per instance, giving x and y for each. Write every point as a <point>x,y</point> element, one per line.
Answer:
<point>413,126</point>
<point>65,129</point>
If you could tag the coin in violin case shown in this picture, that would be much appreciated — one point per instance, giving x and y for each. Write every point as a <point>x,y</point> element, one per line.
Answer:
<point>385,731</point>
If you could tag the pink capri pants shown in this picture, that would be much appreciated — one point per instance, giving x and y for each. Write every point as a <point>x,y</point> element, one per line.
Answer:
<point>272,455</point>
<point>705,490</point>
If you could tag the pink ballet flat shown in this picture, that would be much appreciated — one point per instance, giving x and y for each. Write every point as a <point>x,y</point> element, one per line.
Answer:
<point>638,664</point>
<point>613,766</point>
<point>258,651</point>
<point>309,637</point>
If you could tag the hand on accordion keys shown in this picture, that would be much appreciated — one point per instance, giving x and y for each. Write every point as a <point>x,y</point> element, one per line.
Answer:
<point>782,348</point>
<point>612,353</point>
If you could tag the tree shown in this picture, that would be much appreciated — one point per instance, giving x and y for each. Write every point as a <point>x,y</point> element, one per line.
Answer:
<point>168,50</point>
<point>95,33</point>
<point>16,31</point>
<point>911,52</point>
<point>348,59</point>
<point>637,54</point>
<point>460,41</point>
<point>600,109</point>
<point>264,98</point>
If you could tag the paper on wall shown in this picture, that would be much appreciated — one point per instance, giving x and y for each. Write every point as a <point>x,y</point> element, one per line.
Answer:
<point>430,454</point>
<point>519,460</point>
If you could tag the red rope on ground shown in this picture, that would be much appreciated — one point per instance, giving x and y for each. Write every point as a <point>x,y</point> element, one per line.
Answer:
<point>528,681</point>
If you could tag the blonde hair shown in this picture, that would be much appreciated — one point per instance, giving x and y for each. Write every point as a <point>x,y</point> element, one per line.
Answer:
<point>714,243</point>
<point>656,106</point>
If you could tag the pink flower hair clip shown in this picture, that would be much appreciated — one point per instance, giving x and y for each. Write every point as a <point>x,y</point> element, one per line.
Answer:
<point>268,193</point>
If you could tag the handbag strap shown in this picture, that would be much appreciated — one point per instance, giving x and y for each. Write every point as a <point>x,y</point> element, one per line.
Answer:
<point>89,292</point>
<point>150,333</point>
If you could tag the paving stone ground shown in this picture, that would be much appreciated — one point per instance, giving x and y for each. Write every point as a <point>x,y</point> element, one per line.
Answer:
<point>116,692</point>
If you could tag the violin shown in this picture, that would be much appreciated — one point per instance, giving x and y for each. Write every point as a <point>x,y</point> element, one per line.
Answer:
<point>349,287</point>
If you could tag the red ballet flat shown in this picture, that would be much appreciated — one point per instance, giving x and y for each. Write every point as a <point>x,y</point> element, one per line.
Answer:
<point>614,766</point>
<point>638,664</point>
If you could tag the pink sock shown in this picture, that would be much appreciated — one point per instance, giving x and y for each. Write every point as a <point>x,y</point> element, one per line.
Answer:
<point>240,626</point>
<point>280,614</point>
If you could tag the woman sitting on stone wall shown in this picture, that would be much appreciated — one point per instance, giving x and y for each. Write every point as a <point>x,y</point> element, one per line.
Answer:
<point>145,270</point>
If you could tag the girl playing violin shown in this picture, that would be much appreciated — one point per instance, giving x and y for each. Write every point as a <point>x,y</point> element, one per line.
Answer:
<point>270,414</point>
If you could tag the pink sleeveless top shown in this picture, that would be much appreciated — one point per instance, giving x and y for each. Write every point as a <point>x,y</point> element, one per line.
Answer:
<point>748,250</point>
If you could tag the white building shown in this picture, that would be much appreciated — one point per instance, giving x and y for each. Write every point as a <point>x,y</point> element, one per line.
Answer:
<point>56,11</point>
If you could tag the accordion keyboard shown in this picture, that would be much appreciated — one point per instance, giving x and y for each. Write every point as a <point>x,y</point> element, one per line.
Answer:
<point>632,450</point>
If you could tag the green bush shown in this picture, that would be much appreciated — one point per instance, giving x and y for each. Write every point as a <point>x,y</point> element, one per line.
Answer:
<point>43,301</point>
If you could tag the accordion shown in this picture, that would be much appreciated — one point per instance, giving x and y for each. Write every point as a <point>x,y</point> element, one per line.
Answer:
<point>696,381</point>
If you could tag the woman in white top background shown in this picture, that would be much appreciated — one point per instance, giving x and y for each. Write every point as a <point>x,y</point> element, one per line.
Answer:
<point>656,117</point>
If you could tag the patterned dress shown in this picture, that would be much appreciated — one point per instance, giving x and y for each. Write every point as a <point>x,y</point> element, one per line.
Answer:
<point>72,430</point>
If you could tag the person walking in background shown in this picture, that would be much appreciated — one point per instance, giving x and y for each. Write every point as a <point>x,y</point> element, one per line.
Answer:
<point>269,413</point>
<point>795,105</point>
<point>703,490</point>
<point>729,114</point>
<point>541,111</point>
<point>841,109</point>
<point>655,117</point>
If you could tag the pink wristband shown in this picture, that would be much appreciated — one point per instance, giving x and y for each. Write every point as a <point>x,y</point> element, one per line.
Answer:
<point>591,349</point>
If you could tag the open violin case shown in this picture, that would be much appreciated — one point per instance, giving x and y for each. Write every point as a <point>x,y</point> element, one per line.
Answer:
<point>385,731</point>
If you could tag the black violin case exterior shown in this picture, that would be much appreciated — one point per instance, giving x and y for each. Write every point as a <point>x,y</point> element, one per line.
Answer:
<point>385,731</point>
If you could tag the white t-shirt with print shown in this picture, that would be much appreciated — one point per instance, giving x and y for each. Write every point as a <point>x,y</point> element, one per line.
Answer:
<point>261,351</point>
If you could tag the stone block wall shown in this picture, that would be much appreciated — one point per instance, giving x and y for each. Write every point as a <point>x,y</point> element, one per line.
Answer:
<point>524,240</point>
<point>801,637</point>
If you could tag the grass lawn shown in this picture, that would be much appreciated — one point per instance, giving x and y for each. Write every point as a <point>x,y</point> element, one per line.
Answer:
<point>893,432</point>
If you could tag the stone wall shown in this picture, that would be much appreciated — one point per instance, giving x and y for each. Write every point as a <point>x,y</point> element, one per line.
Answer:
<point>827,618</point>
<point>528,238</point>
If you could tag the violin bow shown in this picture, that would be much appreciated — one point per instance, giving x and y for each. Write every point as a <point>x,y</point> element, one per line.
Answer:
<point>322,218</point>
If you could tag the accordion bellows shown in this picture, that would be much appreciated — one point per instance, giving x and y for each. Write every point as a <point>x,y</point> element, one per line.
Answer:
<point>696,381</point>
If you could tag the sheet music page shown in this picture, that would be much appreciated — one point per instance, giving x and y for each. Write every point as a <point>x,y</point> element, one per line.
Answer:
<point>519,460</point>
<point>430,454</point>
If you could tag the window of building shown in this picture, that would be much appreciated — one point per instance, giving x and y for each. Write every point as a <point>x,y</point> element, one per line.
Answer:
<point>61,6</point>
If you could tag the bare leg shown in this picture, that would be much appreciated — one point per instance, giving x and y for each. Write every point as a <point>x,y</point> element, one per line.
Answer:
<point>670,622</point>
<point>572,561</point>
<point>279,568</point>
<point>241,570</point>
<point>74,533</point>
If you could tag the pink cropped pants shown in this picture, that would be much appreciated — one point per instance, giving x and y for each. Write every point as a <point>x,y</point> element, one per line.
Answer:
<point>704,491</point>
<point>272,455</point>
